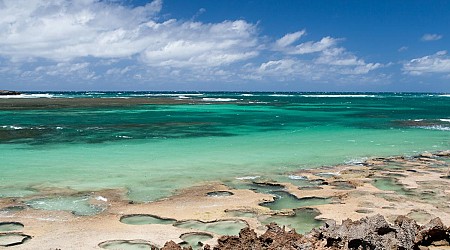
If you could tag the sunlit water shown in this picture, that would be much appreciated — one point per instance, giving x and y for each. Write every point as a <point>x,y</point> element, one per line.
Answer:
<point>153,149</point>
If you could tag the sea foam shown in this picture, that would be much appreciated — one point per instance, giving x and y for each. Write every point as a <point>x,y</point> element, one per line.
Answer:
<point>219,99</point>
<point>346,96</point>
<point>27,96</point>
<point>435,127</point>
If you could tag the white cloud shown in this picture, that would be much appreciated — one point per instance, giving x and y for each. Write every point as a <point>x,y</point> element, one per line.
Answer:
<point>286,44</point>
<point>288,69</point>
<point>431,37</point>
<point>63,30</point>
<point>118,71</point>
<point>436,63</point>
<point>92,39</point>
<point>348,63</point>
<point>313,60</point>
<point>403,48</point>
<point>199,45</point>
<point>289,39</point>
<point>312,47</point>
<point>65,69</point>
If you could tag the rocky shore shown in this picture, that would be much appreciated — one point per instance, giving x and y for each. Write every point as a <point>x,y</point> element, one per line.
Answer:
<point>367,233</point>
<point>382,203</point>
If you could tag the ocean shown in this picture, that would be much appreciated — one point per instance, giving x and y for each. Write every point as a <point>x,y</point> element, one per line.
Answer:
<point>154,143</point>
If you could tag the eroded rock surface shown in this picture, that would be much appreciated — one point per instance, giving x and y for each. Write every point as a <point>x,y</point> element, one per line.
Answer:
<point>367,233</point>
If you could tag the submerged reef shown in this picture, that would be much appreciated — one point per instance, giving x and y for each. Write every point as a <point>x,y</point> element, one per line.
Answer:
<point>367,233</point>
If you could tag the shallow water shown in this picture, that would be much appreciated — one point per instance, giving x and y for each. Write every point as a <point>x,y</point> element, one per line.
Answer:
<point>390,184</point>
<point>125,245</point>
<point>76,205</point>
<point>13,239</point>
<point>153,149</point>
<point>10,226</point>
<point>142,219</point>
<point>285,200</point>
<point>303,220</point>
<point>196,240</point>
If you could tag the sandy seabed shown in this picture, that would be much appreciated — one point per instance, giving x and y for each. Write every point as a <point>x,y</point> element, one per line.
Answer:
<point>417,187</point>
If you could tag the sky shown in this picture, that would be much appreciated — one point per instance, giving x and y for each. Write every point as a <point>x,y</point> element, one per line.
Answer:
<point>225,45</point>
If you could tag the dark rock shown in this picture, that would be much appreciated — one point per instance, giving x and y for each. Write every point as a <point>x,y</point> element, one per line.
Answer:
<point>274,238</point>
<point>431,232</point>
<point>407,230</point>
<point>173,246</point>
<point>9,92</point>
<point>367,233</point>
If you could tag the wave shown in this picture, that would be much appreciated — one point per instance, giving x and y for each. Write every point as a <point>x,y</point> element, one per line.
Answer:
<point>446,95</point>
<point>12,127</point>
<point>219,99</point>
<point>183,97</point>
<point>281,95</point>
<point>248,177</point>
<point>435,127</point>
<point>168,94</point>
<point>297,177</point>
<point>444,120</point>
<point>27,96</point>
<point>124,137</point>
<point>337,95</point>
<point>356,161</point>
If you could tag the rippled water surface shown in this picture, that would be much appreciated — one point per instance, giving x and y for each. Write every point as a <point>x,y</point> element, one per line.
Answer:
<point>152,143</point>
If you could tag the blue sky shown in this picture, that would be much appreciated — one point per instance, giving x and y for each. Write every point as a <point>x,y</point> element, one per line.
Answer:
<point>264,45</point>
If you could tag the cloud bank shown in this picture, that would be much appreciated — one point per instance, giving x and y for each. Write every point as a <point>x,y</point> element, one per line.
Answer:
<point>90,40</point>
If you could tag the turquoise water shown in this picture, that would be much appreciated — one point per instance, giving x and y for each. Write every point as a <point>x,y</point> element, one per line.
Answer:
<point>153,149</point>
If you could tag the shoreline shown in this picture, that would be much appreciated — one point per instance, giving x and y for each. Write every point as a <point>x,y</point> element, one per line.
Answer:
<point>415,187</point>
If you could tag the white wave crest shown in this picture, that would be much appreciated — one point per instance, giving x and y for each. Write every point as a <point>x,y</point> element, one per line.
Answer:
<point>219,99</point>
<point>297,177</point>
<point>27,96</point>
<point>435,127</point>
<point>168,94</point>
<point>281,95</point>
<point>247,177</point>
<point>12,127</point>
<point>338,96</point>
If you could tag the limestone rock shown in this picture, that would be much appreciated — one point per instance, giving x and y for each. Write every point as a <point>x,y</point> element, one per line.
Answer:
<point>426,155</point>
<point>173,246</point>
<point>431,232</point>
<point>373,233</point>
<point>443,153</point>
<point>368,233</point>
